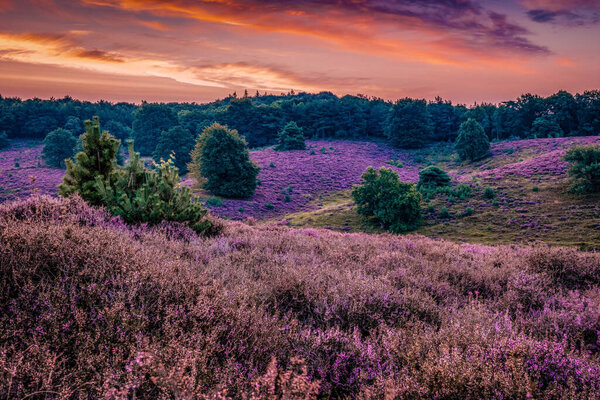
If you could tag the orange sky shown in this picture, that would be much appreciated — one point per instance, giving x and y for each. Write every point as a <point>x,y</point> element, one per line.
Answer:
<point>193,50</point>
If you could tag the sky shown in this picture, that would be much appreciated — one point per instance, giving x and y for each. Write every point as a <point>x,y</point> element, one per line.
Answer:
<point>200,50</point>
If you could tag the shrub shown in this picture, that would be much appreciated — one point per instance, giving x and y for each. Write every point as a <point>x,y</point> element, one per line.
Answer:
<point>58,146</point>
<point>432,177</point>
<point>472,143</point>
<point>535,189</point>
<point>140,195</point>
<point>176,141</point>
<point>269,205</point>
<point>287,198</point>
<point>290,138</point>
<point>489,193</point>
<point>468,211</point>
<point>221,157</point>
<point>271,164</point>
<point>213,202</point>
<point>584,168</point>
<point>444,213</point>
<point>4,141</point>
<point>395,204</point>
<point>96,160</point>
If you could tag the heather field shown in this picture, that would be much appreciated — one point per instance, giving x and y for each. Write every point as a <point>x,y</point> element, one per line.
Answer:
<point>95,309</point>
<point>531,202</point>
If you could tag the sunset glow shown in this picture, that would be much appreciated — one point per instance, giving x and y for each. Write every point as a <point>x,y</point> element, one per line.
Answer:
<point>183,50</point>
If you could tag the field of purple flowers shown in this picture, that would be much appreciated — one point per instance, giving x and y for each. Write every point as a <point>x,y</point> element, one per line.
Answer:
<point>22,172</point>
<point>291,179</point>
<point>94,309</point>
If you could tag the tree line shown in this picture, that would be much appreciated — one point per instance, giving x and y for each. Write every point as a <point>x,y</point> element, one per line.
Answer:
<point>407,122</point>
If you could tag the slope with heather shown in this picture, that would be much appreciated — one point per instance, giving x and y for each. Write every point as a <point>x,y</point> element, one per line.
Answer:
<point>95,308</point>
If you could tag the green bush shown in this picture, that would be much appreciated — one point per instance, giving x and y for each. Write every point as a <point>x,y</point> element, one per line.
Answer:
<point>584,168</point>
<point>213,202</point>
<point>472,143</point>
<point>58,146</point>
<point>269,205</point>
<point>444,213</point>
<point>489,193</point>
<point>468,211</point>
<point>535,189</point>
<point>221,157</point>
<point>433,177</point>
<point>395,204</point>
<point>141,195</point>
<point>290,138</point>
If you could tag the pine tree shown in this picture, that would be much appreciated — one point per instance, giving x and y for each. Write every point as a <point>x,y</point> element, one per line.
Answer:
<point>221,158</point>
<point>97,160</point>
<point>140,195</point>
<point>290,138</point>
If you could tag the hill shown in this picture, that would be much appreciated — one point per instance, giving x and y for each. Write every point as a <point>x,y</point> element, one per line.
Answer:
<point>95,308</point>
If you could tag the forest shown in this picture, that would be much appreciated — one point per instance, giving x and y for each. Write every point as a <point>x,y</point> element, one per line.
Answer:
<point>410,123</point>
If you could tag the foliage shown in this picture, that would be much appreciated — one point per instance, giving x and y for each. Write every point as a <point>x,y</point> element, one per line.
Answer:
<point>432,177</point>
<point>97,160</point>
<point>395,204</point>
<point>546,127</point>
<point>410,124</point>
<point>584,168</point>
<point>140,195</point>
<point>290,138</point>
<point>370,316</point>
<point>150,121</point>
<point>4,141</point>
<point>178,142</point>
<point>221,157</point>
<point>58,146</point>
<point>472,143</point>
<point>488,193</point>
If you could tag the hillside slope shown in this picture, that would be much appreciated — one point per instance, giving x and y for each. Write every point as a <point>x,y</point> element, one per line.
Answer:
<point>93,307</point>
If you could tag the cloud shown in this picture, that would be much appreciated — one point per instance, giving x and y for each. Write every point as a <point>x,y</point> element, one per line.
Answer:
<point>385,23</point>
<point>569,13</point>
<point>99,55</point>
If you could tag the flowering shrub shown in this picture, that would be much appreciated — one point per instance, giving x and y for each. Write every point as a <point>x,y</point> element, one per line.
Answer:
<point>95,308</point>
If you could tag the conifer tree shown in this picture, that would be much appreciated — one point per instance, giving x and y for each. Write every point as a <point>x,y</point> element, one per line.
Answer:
<point>97,160</point>
<point>290,138</point>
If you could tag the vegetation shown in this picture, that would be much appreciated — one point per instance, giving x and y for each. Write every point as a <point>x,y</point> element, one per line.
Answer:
<point>140,195</point>
<point>326,315</point>
<point>432,177</point>
<point>150,121</point>
<point>546,127</point>
<point>177,142</point>
<point>290,138</point>
<point>96,161</point>
<point>410,124</point>
<point>58,146</point>
<point>221,157</point>
<point>395,204</point>
<point>4,141</point>
<point>584,168</point>
<point>472,142</point>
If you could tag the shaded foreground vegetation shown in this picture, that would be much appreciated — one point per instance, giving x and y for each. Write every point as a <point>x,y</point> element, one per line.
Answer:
<point>93,307</point>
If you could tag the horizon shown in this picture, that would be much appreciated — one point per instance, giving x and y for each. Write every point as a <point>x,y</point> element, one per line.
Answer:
<point>197,51</point>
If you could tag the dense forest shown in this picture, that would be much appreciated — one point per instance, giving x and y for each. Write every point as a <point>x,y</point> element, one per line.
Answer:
<point>406,123</point>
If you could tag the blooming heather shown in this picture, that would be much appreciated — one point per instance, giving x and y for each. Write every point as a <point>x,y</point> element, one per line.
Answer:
<point>93,308</point>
